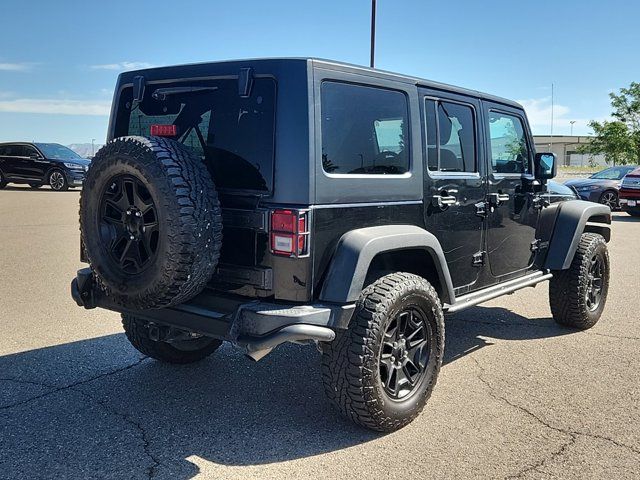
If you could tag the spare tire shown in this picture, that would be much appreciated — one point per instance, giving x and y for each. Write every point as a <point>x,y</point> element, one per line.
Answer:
<point>150,221</point>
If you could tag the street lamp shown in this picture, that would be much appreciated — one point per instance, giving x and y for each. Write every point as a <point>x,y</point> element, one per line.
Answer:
<point>572,122</point>
<point>373,32</point>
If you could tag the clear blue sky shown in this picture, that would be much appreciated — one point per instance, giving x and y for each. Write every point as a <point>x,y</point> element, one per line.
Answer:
<point>59,59</point>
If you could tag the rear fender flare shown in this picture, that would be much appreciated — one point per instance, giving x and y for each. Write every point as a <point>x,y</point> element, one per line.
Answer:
<point>357,248</point>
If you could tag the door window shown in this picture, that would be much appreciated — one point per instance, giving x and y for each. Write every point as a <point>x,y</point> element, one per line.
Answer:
<point>508,144</point>
<point>451,137</point>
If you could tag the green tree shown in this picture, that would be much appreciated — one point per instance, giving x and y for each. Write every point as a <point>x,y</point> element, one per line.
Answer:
<point>619,139</point>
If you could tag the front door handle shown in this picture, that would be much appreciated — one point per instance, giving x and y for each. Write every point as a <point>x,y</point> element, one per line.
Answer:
<point>498,198</point>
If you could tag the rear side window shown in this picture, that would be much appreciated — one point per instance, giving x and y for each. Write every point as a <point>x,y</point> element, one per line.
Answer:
<point>508,144</point>
<point>364,130</point>
<point>451,137</point>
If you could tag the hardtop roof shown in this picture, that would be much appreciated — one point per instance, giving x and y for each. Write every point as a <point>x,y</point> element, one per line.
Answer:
<point>340,66</point>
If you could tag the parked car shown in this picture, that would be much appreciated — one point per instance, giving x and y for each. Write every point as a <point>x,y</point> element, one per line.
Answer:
<point>38,164</point>
<point>557,192</point>
<point>602,187</point>
<point>630,193</point>
<point>300,200</point>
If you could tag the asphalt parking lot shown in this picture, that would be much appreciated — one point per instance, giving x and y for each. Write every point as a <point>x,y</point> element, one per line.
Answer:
<point>518,396</point>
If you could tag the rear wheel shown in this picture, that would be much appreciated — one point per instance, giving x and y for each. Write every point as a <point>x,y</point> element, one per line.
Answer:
<point>151,222</point>
<point>58,181</point>
<point>577,296</point>
<point>179,350</point>
<point>380,372</point>
<point>610,199</point>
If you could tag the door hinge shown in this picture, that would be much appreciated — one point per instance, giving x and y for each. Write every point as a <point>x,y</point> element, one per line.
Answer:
<point>540,202</point>
<point>481,209</point>
<point>478,259</point>
<point>538,244</point>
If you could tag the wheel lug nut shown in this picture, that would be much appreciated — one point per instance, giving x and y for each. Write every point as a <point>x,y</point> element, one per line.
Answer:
<point>131,237</point>
<point>138,214</point>
<point>128,212</point>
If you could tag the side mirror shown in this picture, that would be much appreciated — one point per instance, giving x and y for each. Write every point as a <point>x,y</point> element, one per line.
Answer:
<point>545,166</point>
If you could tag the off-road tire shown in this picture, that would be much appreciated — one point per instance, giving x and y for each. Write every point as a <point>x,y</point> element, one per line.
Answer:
<point>568,288</point>
<point>350,364</point>
<point>188,217</point>
<point>136,331</point>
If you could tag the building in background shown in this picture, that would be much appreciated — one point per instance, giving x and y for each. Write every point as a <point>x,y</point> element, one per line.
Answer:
<point>566,149</point>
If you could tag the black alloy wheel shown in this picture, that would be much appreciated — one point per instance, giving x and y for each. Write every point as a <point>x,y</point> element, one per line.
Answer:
<point>128,223</point>
<point>405,353</point>
<point>595,282</point>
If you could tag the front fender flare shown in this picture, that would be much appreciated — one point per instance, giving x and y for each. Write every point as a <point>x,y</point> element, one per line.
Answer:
<point>357,248</point>
<point>573,218</point>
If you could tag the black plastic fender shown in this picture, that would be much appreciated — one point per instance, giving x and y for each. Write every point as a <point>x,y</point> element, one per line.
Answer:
<point>572,219</point>
<point>357,248</point>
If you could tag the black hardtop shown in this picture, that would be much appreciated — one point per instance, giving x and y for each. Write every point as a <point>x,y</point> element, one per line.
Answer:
<point>273,66</point>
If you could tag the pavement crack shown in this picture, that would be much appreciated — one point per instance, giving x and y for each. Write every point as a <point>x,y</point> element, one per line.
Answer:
<point>572,435</point>
<point>144,436</point>
<point>56,389</point>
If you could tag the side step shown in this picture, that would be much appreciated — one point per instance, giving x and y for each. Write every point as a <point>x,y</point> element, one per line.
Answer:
<point>495,291</point>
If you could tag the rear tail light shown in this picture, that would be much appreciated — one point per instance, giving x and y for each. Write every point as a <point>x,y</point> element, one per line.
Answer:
<point>290,233</point>
<point>164,130</point>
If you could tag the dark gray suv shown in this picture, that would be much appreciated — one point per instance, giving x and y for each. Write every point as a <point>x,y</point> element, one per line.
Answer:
<point>38,164</point>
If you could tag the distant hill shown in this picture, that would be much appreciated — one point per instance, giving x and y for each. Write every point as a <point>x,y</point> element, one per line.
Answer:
<point>84,149</point>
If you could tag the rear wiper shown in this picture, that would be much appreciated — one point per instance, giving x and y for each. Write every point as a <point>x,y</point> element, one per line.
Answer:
<point>162,93</point>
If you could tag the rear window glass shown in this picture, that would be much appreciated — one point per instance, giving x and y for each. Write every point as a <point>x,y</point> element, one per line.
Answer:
<point>364,130</point>
<point>234,135</point>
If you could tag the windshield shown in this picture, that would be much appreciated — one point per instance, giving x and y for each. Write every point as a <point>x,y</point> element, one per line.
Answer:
<point>55,151</point>
<point>232,133</point>
<point>614,173</point>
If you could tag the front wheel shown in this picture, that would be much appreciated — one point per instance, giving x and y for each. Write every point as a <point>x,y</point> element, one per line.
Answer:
<point>58,181</point>
<point>179,351</point>
<point>610,199</point>
<point>577,296</point>
<point>381,371</point>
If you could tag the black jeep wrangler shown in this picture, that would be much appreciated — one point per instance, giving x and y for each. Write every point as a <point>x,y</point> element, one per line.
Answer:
<point>300,200</point>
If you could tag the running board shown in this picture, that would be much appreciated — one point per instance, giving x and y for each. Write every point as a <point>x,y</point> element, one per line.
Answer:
<point>495,291</point>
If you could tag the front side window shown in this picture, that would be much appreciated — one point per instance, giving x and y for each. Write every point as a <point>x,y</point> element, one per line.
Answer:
<point>451,137</point>
<point>364,130</point>
<point>508,143</point>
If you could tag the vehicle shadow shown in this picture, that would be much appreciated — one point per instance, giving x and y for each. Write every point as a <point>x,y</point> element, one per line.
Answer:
<point>97,409</point>
<point>44,188</point>
<point>624,218</point>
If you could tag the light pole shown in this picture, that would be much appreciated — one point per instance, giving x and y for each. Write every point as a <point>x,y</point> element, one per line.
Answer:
<point>93,152</point>
<point>572,122</point>
<point>373,32</point>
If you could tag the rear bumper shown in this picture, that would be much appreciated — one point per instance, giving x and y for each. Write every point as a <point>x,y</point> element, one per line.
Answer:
<point>256,326</point>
